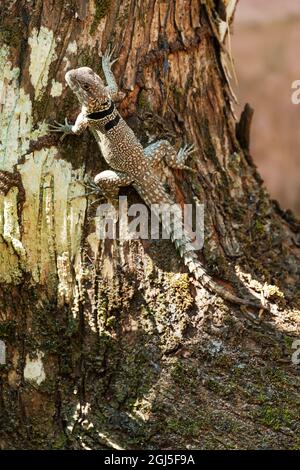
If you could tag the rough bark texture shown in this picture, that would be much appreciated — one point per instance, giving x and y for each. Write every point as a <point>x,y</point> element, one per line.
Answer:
<point>111,345</point>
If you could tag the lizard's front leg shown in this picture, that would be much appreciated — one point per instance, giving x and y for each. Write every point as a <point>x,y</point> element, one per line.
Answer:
<point>162,151</point>
<point>80,125</point>
<point>112,86</point>
<point>110,181</point>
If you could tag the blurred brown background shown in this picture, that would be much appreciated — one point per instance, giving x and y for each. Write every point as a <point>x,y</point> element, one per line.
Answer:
<point>266,51</point>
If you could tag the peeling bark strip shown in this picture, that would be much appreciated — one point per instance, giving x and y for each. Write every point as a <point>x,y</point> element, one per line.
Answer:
<point>110,345</point>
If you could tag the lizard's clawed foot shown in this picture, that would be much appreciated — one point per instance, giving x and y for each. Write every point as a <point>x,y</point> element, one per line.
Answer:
<point>111,199</point>
<point>65,128</point>
<point>107,57</point>
<point>93,187</point>
<point>179,161</point>
<point>184,152</point>
<point>93,190</point>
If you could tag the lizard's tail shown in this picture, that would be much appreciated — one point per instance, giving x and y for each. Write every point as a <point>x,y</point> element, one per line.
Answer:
<point>155,196</point>
<point>195,267</point>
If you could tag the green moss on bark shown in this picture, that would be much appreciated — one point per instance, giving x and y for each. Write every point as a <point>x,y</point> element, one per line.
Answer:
<point>102,7</point>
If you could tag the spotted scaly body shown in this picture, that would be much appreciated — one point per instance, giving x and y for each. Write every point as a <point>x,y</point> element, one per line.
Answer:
<point>132,164</point>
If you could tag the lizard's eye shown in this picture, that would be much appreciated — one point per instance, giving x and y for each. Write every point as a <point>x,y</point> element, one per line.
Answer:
<point>85,86</point>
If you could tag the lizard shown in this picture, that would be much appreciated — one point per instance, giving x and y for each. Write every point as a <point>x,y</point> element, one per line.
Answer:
<point>131,163</point>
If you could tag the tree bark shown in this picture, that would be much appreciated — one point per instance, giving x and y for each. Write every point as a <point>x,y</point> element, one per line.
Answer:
<point>111,345</point>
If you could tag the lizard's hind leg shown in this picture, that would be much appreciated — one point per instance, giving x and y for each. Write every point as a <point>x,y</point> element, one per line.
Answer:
<point>156,152</point>
<point>110,181</point>
<point>162,151</point>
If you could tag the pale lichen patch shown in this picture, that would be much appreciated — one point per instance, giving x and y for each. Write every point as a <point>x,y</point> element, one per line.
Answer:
<point>15,115</point>
<point>65,279</point>
<point>34,369</point>
<point>41,130</point>
<point>12,253</point>
<point>56,89</point>
<point>43,46</point>
<point>71,50</point>
<point>31,172</point>
<point>11,229</point>
<point>54,211</point>
<point>72,47</point>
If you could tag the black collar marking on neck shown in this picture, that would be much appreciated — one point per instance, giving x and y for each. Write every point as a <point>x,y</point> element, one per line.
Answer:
<point>110,124</point>
<point>101,114</point>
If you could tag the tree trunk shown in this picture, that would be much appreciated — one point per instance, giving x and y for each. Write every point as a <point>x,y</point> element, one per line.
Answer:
<point>110,344</point>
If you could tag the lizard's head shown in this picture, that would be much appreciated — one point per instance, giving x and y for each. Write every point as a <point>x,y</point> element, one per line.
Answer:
<point>88,87</point>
